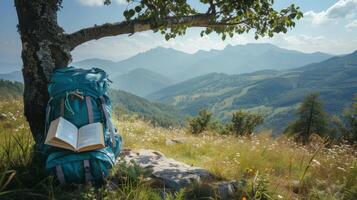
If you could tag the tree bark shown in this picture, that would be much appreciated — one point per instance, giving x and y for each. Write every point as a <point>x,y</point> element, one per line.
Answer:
<point>44,48</point>
<point>133,26</point>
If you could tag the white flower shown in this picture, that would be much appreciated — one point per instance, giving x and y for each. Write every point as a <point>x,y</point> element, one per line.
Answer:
<point>342,169</point>
<point>316,162</point>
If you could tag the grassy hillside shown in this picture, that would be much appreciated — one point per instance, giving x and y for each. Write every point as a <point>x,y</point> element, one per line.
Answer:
<point>141,82</point>
<point>10,90</point>
<point>262,165</point>
<point>158,113</point>
<point>123,103</point>
<point>276,94</point>
<point>12,76</point>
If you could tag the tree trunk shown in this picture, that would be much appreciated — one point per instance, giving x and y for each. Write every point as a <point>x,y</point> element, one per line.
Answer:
<point>44,48</point>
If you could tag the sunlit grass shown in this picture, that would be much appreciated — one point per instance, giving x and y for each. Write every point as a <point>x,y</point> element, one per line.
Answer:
<point>331,172</point>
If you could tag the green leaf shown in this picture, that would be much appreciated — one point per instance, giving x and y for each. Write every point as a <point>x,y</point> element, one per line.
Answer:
<point>126,14</point>
<point>241,16</point>
<point>137,9</point>
<point>167,37</point>
<point>131,13</point>
<point>224,37</point>
<point>208,31</point>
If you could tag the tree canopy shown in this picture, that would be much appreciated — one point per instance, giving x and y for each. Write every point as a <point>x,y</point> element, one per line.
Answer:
<point>172,18</point>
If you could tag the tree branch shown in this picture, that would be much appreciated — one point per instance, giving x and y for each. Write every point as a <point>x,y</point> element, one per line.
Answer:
<point>133,26</point>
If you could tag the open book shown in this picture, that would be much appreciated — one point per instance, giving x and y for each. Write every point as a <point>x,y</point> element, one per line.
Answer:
<point>64,134</point>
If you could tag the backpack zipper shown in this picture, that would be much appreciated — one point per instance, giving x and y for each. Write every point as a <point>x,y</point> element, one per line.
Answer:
<point>72,153</point>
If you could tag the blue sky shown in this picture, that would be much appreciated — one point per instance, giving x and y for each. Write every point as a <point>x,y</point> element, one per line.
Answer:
<point>328,26</point>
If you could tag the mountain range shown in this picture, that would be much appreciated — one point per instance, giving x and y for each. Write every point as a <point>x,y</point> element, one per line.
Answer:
<point>275,94</point>
<point>172,66</point>
<point>180,66</point>
<point>152,70</point>
<point>274,83</point>
<point>141,82</point>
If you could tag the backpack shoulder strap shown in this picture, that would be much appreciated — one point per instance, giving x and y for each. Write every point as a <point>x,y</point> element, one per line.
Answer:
<point>89,109</point>
<point>60,174</point>
<point>108,121</point>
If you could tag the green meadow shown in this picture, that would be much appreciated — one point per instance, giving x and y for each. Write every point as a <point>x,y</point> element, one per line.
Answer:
<point>266,167</point>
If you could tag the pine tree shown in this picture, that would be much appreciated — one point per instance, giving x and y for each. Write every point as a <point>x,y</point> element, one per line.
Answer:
<point>350,128</point>
<point>312,119</point>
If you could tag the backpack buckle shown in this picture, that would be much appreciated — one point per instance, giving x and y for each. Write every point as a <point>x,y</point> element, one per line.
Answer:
<point>87,175</point>
<point>77,93</point>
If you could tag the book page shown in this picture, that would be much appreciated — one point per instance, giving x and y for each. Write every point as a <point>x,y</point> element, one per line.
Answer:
<point>91,135</point>
<point>61,144</point>
<point>67,132</point>
<point>51,133</point>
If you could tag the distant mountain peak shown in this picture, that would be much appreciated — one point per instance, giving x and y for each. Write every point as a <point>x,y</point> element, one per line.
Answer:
<point>238,59</point>
<point>159,48</point>
<point>163,49</point>
<point>265,44</point>
<point>95,59</point>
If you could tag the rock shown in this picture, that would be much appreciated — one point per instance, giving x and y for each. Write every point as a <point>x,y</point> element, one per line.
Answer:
<point>226,189</point>
<point>3,116</point>
<point>175,175</point>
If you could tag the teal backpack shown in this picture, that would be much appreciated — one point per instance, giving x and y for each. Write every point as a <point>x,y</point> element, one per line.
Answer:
<point>80,96</point>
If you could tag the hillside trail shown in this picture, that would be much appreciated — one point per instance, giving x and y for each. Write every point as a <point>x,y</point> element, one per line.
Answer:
<point>172,175</point>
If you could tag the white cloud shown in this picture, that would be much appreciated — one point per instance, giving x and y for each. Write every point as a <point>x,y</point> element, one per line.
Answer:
<point>310,44</point>
<point>352,24</point>
<point>316,18</point>
<point>342,9</point>
<point>194,43</point>
<point>122,47</point>
<point>115,48</point>
<point>93,3</point>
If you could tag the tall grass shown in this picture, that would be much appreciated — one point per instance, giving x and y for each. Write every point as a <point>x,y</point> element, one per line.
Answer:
<point>265,168</point>
<point>22,173</point>
<point>290,171</point>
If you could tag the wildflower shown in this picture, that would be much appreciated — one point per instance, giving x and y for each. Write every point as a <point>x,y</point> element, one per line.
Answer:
<point>342,169</point>
<point>316,162</point>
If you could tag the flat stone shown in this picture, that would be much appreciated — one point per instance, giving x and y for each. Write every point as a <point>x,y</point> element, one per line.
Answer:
<point>175,175</point>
